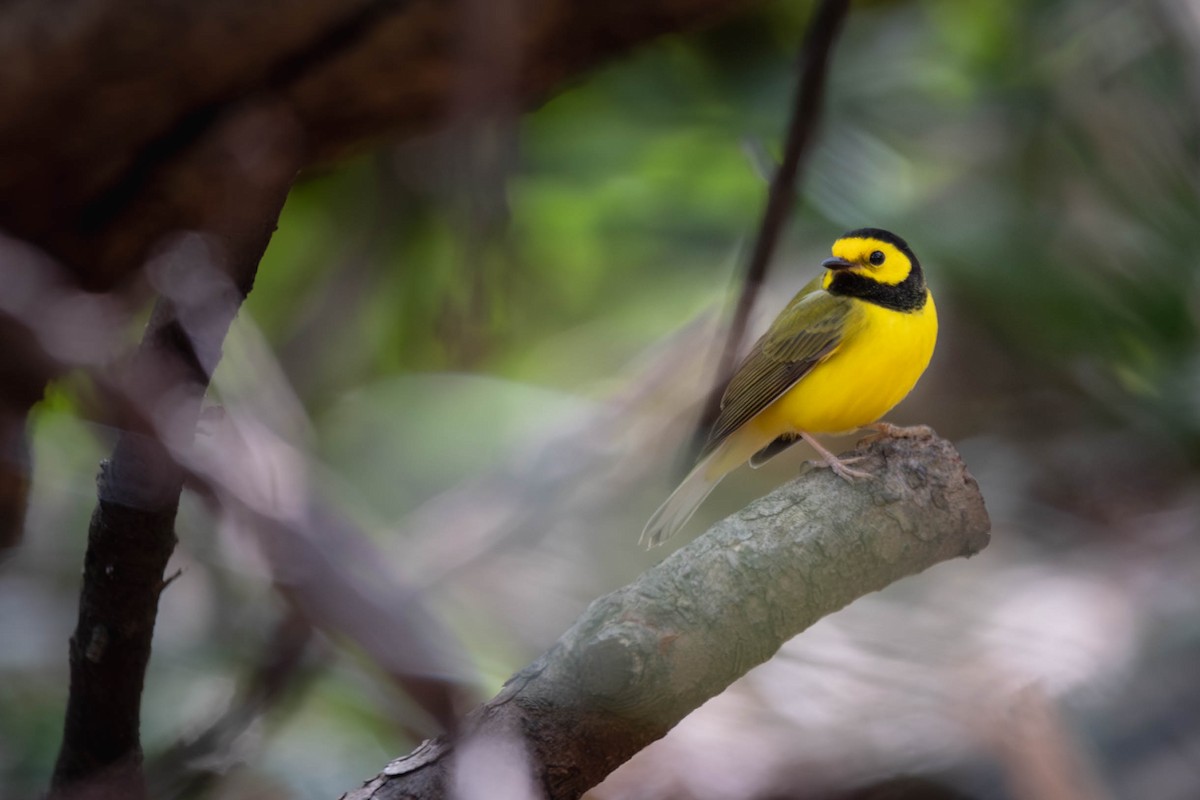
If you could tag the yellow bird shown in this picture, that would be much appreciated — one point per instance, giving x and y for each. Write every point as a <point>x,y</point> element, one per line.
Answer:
<point>847,348</point>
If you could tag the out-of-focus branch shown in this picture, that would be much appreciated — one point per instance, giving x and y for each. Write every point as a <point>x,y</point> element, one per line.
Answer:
<point>259,481</point>
<point>322,564</point>
<point>352,72</point>
<point>802,128</point>
<point>24,370</point>
<point>187,767</point>
<point>202,281</point>
<point>645,656</point>
<point>329,572</point>
<point>41,316</point>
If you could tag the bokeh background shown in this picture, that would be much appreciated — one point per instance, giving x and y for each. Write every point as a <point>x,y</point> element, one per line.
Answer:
<point>486,347</point>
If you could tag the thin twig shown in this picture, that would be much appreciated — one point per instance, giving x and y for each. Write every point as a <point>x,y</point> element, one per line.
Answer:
<point>806,113</point>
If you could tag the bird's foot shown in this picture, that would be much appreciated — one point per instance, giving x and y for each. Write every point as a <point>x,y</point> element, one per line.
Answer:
<point>886,430</point>
<point>838,465</point>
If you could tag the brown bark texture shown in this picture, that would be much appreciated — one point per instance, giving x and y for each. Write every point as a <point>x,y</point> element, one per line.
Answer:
<point>640,659</point>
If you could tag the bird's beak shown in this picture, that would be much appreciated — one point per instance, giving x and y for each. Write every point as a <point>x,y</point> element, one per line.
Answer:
<point>836,263</point>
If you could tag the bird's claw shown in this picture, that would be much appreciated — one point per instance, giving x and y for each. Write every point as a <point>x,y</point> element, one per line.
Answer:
<point>839,467</point>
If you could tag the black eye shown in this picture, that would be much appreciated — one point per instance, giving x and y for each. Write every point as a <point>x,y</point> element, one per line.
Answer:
<point>876,258</point>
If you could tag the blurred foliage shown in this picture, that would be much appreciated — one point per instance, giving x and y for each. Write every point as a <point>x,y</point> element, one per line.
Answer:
<point>1042,158</point>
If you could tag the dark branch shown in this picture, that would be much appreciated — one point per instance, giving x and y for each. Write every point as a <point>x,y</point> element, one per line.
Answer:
<point>342,34</point>
<point>131,535</point>
<point>351,71</point>
<point>642,658</point>
<point>806,114</point>
<point>322,564</point>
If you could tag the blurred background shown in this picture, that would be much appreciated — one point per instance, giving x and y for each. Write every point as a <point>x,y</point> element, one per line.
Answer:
<point>485,349</point>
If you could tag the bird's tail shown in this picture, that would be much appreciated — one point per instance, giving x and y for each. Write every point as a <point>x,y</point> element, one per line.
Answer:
<point>674,513</point>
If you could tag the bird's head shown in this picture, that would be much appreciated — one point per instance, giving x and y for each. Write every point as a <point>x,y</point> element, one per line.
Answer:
<point>876,255</point>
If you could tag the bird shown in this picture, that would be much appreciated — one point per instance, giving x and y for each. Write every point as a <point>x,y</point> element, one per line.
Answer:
<point>848,347</point>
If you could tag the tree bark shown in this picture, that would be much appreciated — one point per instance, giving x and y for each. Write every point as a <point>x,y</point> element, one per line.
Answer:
<point>203,280</point>
<point>642,658</point>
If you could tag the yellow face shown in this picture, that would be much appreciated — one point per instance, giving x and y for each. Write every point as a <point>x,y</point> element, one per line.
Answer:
<point>874,259</point>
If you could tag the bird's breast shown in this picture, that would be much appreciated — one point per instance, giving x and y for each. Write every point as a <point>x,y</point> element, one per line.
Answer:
<point>881,356</point>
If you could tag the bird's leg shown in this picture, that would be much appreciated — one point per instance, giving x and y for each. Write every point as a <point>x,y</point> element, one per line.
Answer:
<point>834,463</point>
<point>885,430</point>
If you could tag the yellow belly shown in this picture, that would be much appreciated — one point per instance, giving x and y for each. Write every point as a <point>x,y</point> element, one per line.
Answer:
<point>877,364</point>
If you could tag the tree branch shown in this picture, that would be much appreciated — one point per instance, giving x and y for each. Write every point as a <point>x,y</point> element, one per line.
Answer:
<point>131,536</point>
<point>351,71</point>
<point>642,658</point>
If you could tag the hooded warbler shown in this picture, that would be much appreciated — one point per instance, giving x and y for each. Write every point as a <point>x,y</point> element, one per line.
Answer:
<point>847,348</point>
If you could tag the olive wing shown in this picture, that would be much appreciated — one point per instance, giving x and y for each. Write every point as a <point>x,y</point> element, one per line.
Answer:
<point>804,334</point>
